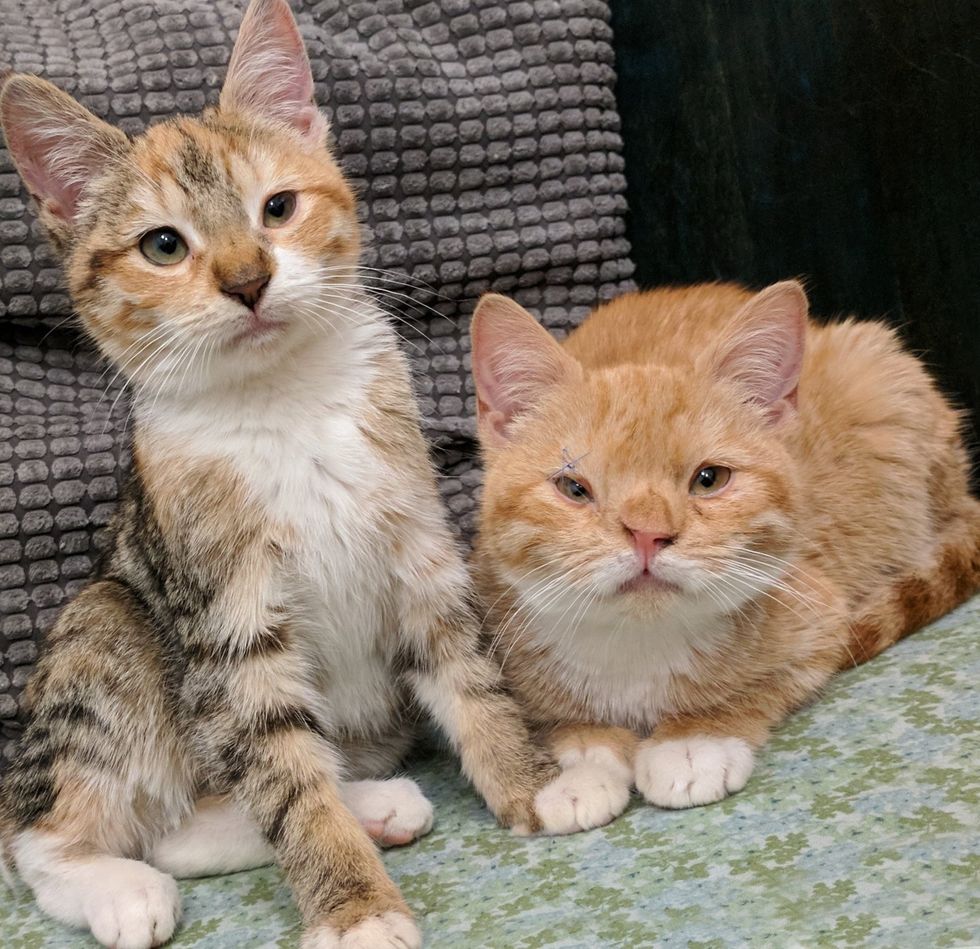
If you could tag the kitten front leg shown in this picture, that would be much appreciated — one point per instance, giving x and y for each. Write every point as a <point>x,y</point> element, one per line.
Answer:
<point>453,679</point>
<point>460,688</point>
<point>262,738</point>
<point>343,892</point>
<point>101,771</point>
<point>595,781</point>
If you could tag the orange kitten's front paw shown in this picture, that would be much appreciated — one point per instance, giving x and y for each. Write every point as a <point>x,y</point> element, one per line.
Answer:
<point>589,793</point>
<point>390,930</point>
<point>687,772</point>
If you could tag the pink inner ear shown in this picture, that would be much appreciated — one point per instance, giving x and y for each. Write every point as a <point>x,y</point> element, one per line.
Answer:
<point>57,145</point>
<point>764,353</point>
<point>269,73</point>
<point>58,194</point>
<point>514,361</point>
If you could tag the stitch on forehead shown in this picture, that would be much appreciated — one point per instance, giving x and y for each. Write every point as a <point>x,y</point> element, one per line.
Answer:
<point>568,462</point>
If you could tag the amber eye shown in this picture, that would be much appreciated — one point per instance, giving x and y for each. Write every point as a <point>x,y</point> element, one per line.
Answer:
<point>279,209</point>
<point>163,247</point>
<point>710,479</point>
<point>572,489</point>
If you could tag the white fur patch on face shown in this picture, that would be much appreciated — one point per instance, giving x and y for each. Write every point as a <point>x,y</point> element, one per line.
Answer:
<point>592,789</point>
<point>295,286</point>
<point>689,772</point>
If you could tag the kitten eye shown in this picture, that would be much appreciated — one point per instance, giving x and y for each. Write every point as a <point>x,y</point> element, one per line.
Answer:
<point>572,489</point>
<point>710,480</point>
<point>163,247</point>
<point>279,209</point>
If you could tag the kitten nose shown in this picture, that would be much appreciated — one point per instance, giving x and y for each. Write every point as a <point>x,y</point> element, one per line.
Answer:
<point>648,543</point>
<point>248,293</point>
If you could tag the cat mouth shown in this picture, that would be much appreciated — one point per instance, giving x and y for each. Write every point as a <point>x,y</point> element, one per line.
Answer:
<point>648,582</point>
<point>259,329</point>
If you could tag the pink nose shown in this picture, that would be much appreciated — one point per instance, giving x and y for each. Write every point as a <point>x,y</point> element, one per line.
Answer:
<point>648,544</point>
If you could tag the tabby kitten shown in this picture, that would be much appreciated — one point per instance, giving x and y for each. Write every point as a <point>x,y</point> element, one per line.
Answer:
<point>696,510</point>
<point>282,582</point>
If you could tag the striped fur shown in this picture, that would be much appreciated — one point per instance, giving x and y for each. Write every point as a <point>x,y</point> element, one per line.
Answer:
<point>282,594</point>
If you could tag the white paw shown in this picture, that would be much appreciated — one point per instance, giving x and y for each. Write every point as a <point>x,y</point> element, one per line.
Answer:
<point>393,812</point>
<point>387,931</point>
<point>589,792</point>
<point>131,905</point>
<point>691,771</point>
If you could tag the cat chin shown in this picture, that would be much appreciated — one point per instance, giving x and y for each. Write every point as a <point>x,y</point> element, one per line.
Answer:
<point>648,584</point>
<point>260,332</point>
<point>646,601</point>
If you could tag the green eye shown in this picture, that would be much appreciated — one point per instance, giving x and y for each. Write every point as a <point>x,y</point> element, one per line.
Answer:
<point>573,490</point>
<point>163,247</point>
<point>279,209</point>
<point>710,480</point>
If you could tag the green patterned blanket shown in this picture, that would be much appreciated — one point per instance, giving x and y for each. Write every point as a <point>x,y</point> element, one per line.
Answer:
<point>860,827</point>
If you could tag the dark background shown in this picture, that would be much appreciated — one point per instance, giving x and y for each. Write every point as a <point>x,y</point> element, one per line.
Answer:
<point>835,140</point>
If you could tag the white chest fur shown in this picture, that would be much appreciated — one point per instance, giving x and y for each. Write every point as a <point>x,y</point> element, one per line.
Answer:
<point>298,446</point>
<point>319,481</point>
<point>623,668</point>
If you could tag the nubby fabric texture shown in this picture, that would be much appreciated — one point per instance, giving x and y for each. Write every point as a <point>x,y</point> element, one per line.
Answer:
<point>484,141</point>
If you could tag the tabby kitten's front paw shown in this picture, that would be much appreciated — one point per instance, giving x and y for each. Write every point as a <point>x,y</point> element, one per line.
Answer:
<point>391,930</point>
<point>131,905</point>
<point>593,788</point>
<point>687,772</point>
<point>394,812</point>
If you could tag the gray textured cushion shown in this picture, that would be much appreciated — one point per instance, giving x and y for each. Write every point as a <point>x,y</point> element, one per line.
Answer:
<point>484,140</point>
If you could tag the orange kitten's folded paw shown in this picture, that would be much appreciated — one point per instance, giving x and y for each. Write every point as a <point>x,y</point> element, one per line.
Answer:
<point>581,798</point>
<point>687,772</point>
<point>390,930</point>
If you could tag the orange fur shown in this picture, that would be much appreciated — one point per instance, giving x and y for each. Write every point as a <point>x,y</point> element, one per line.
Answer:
<point>846,524</point>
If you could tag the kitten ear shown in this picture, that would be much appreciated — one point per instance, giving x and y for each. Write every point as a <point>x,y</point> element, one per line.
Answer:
<point>56,144</point>
<point>269,73</point>
<point>514,359</point>
<point>762,353</point>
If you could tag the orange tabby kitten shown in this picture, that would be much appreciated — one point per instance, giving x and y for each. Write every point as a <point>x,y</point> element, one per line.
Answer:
<point>696,511</point>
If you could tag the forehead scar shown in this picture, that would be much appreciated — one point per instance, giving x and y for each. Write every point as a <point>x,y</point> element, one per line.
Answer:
<point>568,462</point>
